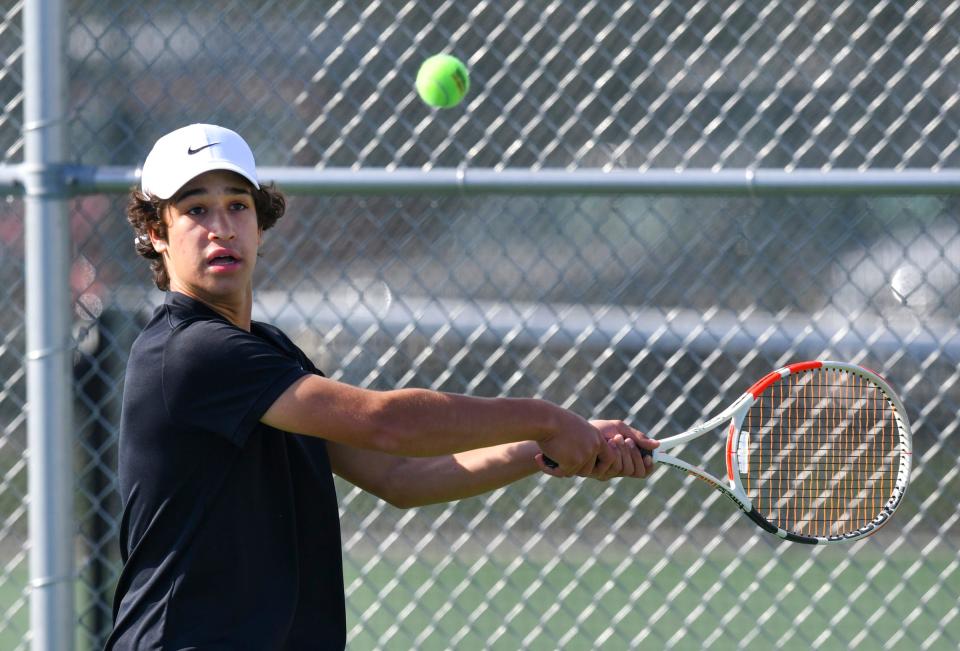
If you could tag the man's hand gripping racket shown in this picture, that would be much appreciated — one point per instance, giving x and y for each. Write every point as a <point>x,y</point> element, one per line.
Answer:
<point>816,452</point>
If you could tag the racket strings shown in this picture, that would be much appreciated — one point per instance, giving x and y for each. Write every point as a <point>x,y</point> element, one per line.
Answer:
<point>822,452</point>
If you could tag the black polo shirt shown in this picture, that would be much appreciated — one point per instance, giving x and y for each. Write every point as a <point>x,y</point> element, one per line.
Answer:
<point>230,534</point>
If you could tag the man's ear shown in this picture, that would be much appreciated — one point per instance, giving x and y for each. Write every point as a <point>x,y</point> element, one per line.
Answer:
<point>159,244</point>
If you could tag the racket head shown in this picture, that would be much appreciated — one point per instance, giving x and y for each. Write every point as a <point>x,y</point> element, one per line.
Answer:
<point>822,453</point>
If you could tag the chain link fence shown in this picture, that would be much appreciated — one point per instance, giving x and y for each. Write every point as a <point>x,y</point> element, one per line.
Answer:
<point>656,307</point>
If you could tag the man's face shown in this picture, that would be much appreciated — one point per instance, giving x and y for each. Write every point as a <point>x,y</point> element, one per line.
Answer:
<point>212,237</point>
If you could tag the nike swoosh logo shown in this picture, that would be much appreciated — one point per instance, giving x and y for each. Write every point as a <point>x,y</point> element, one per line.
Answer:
<point>191,151</point>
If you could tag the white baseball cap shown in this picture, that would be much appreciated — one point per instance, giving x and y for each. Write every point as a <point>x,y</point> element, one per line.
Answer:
<point>188,152</point>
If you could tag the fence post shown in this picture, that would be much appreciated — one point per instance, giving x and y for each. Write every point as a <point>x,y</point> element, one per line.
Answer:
<point>49,351</point>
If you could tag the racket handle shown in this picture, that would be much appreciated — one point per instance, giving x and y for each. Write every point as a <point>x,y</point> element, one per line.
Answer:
<point>550,463</point>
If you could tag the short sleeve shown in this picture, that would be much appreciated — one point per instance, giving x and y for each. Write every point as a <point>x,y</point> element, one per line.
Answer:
<point>222,379</point>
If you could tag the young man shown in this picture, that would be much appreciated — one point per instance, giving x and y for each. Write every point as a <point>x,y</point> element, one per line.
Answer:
<point>229,434</point>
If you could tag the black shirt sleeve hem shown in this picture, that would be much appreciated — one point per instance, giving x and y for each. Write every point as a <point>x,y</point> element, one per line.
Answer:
<point>263,403</point>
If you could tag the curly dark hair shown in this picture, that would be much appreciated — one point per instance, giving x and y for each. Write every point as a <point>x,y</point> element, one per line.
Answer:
<point>144,214</point>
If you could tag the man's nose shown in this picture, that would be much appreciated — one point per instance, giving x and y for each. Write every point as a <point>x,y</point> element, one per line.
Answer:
<point>221,227</point>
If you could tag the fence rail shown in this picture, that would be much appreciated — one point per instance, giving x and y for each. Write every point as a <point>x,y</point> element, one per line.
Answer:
<point>81,179</point>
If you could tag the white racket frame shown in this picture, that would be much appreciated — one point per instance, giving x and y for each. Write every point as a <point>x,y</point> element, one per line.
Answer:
<point>736,413</point>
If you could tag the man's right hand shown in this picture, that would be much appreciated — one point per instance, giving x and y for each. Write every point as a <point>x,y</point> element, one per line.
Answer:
<point>576,445</point>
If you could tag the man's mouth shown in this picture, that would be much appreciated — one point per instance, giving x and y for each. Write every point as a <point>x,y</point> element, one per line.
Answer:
<point>223,258</point>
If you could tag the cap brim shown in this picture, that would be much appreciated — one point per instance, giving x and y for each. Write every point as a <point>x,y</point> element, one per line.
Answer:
<point>173,182</point>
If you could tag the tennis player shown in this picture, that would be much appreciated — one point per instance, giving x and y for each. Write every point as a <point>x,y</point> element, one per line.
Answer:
<point>229,434</point>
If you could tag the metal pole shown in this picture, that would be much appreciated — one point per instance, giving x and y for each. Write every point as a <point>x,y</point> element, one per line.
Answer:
<point>48,357</point>
<point>465,180</point>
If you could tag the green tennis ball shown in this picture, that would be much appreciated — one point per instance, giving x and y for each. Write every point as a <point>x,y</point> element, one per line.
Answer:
<point>442,81</point>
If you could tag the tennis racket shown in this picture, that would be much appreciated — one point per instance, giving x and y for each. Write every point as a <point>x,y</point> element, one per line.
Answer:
<point>817,452</point>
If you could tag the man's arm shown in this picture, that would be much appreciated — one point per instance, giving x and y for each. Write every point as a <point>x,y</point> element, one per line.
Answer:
<point>406,482</point>
<point>416,481</point>
<point>423,423</point>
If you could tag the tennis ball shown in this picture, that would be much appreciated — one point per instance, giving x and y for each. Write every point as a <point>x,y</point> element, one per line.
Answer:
<point>909,286</point>
<point>442,81</point>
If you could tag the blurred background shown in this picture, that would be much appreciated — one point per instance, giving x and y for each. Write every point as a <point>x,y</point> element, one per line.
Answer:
<point>656,307</point>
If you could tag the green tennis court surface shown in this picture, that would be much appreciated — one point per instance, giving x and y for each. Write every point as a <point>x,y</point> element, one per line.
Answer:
<point>771,595</point>
<point>476,600</point>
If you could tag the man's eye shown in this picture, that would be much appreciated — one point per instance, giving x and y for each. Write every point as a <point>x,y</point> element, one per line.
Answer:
<point>196,210</point>
<point>239,206</point>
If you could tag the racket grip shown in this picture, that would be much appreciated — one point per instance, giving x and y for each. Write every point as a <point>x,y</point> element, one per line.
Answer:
<point>550,463</point>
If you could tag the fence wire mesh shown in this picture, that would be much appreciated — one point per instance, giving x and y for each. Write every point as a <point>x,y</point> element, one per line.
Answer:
<point>658,308</point>
<point>619,84</point>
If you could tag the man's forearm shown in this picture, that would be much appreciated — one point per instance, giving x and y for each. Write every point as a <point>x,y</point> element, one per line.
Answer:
<point>414,422</point>
<point>430,480</point>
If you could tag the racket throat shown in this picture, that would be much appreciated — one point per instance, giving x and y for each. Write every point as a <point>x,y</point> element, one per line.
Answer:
<point>761,522</point>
